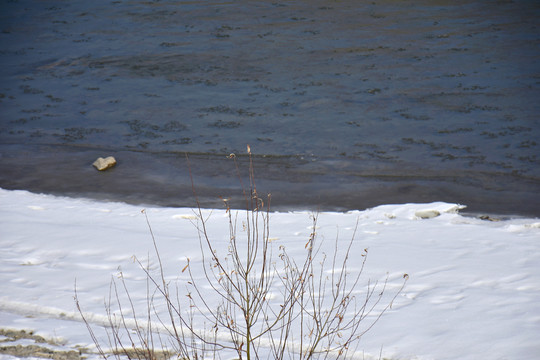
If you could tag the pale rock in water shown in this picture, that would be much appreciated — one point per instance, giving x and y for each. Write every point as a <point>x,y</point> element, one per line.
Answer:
<point>103,164</point>
<point>427,214</point>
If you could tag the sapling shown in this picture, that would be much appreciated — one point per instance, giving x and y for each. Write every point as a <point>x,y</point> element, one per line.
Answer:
<point>269,304</point>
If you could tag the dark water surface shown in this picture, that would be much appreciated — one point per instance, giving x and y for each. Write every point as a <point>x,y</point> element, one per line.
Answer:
<point>347,104</point>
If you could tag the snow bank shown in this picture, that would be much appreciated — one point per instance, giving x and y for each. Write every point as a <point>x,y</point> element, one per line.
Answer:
<point>473,292</point>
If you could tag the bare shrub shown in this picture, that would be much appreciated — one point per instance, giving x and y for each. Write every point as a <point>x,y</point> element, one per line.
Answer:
<point>270,304</point>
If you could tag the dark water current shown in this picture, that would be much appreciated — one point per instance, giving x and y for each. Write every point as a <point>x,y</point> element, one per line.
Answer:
<point>347,104</point>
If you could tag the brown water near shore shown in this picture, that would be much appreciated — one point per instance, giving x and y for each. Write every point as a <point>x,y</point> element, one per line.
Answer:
<point>294,183</point>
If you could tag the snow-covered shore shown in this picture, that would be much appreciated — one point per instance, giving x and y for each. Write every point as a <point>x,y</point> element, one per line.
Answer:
<point>473,292</point>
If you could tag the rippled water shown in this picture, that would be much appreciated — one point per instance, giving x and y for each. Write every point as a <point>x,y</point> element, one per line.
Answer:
<point>351,103</point>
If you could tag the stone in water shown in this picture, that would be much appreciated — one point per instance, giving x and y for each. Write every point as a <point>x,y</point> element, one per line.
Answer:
<point>427,214</point>
<point>103,164</point>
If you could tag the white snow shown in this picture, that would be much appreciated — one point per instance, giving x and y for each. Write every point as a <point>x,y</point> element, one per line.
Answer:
<point>473,290</point>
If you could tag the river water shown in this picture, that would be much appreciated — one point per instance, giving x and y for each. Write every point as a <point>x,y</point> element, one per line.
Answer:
<point>345,104</point>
